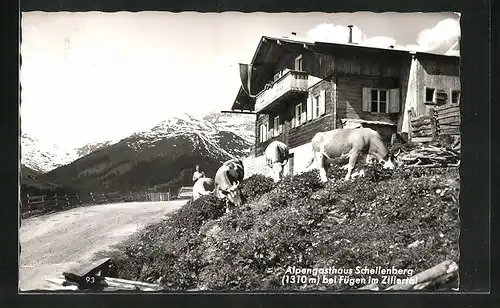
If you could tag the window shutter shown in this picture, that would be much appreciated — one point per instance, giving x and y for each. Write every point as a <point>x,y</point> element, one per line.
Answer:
<point>394,101</point>
<point>366,99</point>
<point>322,99</point>
<point>309,108</point>
<point>304,114</point>
<point>293,116</point>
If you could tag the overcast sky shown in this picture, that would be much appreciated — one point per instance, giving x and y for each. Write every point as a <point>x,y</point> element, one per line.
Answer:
<point>91,76</point>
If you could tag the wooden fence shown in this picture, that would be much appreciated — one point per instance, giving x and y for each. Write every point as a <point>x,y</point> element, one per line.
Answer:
<point>447,120</point>
<point>36,205</point>
<point>442,120</point>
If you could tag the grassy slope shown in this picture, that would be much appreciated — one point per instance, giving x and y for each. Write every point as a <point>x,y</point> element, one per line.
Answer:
<point>301,222</point>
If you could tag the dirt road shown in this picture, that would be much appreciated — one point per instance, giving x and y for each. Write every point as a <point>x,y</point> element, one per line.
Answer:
<point>52,243</point>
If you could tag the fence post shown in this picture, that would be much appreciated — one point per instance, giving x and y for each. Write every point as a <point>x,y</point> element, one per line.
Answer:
<point>432,118</point>
<point>28,202</point>
<point>410,128</point>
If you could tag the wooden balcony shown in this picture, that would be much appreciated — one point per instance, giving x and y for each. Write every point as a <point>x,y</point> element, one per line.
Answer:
<point>292,82</point>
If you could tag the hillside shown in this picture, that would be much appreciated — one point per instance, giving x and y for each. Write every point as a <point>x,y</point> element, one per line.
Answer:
<point>35,183</point>
<point>162,157</point>
<point>407,219</point>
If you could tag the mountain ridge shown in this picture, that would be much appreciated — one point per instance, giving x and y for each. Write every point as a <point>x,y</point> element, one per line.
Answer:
<point>160,158</point>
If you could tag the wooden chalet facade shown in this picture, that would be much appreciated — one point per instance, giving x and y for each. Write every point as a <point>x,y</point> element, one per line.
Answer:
<point>303,88</point>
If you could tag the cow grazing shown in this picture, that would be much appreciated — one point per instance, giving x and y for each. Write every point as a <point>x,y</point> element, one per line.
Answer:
<point>277,155</point>
<point>227,181</point>
<point>350,142</point>
<point>202,187</point>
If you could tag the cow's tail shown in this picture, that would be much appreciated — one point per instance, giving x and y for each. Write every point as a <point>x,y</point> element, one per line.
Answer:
<point>309,163</point>
<point>215,189</point>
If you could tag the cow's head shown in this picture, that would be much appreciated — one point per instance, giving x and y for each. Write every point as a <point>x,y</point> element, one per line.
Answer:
<point>389,163</point>
<point>233,194</point>
<point>277,171</point>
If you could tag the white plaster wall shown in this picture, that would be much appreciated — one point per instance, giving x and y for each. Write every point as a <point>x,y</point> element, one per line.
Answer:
<point>311,81</point>
<point>256,165</point>
<point>411,95</point>
<point>301,156</point>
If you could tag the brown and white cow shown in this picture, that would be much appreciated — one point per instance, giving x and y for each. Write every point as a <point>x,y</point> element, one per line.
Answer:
<point>277,155</point>
<point>202,187</point>
<point>351,142</point>
<point>227,181</point>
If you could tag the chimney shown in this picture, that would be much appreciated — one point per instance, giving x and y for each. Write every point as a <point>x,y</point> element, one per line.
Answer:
<point>350,34</point>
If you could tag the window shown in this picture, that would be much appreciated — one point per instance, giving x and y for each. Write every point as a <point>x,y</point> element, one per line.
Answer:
<point>381,100</point>
<point>263,132</point>
<point>378,101</point>
<point>298,63</point>
<point>316,109</point>
<point>455,97</point>
<point>429,95</point>
<point>298,115</point>
<point>441,97</point>
<point>276,126</point>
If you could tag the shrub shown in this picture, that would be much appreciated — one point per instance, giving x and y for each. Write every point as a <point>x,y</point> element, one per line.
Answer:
<point>295,187</point>
<point>255,186</point>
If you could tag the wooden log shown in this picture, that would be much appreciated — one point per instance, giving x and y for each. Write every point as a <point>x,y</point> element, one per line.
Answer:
<point>449,131</point>
<point>449,119</point>
<point>433,123</point>
<point>447,107</point>
<point>423,134</point>
<point>422,128</point>
<point>420,121</point>
<point>456,127</point>
<point>58,284</point>
<point>88,268</point>
<point>419,139</point>
<point>450,113</point>
<point>124,283</point>
<point>443,268</point>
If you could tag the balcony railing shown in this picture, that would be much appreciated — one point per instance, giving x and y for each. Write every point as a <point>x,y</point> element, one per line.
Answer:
<point>290,82</point>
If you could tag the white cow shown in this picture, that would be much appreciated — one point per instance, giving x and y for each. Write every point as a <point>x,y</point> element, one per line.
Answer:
<point>277,155</point>
<point>202,187</point>
<point>350,142</point>
<point>227,181</point>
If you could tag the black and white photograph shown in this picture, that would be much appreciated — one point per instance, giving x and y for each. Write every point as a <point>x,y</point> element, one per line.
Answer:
<point>232,151</point>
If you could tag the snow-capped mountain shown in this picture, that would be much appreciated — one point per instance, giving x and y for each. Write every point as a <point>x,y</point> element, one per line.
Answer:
<point>208,135</point>
<point>166,154</point>
<point>241,124</point>
<point>92,147</point>
<point>43,157</point>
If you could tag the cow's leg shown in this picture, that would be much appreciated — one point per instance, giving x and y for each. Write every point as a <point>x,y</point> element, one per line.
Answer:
<point>321,166</point>
<point>353,157</point>
<point>277,171</point>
